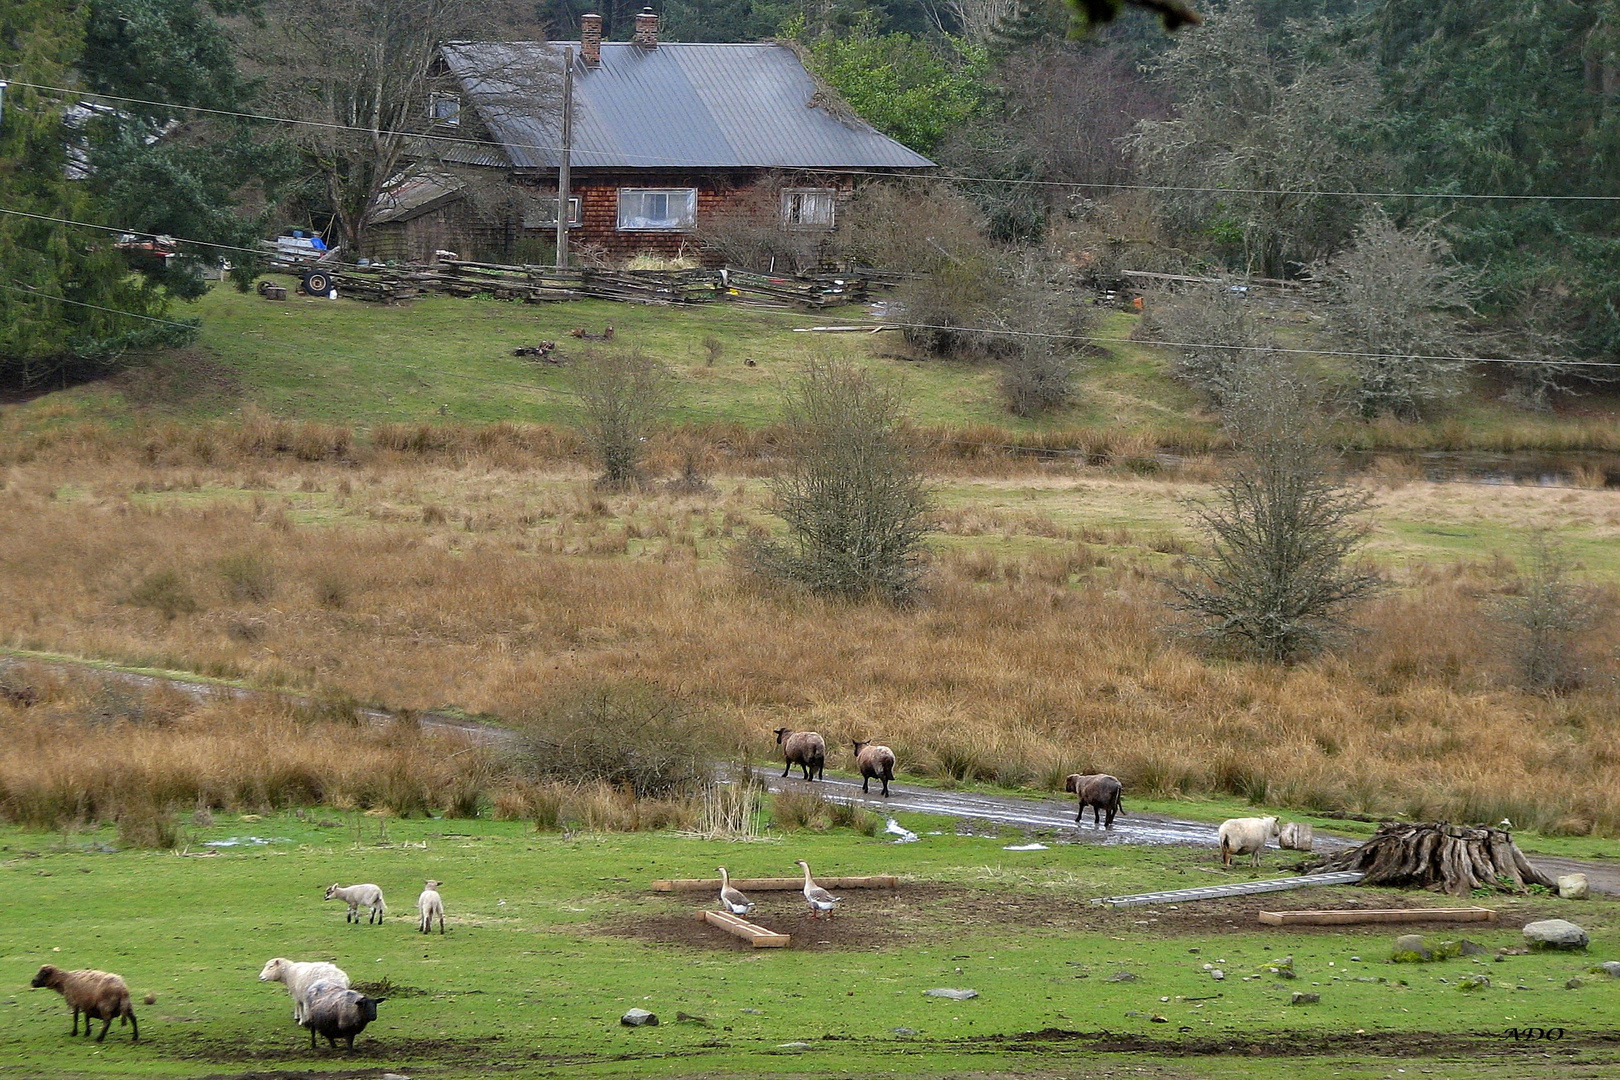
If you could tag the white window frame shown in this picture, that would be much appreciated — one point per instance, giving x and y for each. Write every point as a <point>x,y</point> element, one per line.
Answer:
<point>438,97</point>
<point>656,210</point>
<point>540,219</point>
<point>796,200</point>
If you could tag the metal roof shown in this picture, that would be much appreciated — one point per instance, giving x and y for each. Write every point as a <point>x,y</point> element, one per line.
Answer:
<point>701,106</point>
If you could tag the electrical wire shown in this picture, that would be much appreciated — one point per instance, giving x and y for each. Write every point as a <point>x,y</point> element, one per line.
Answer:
<point>95,307</point>
<point>652,160</point>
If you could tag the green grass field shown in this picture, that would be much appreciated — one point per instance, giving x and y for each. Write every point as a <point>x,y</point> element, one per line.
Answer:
<point>552,937</point>
<point>440,359</point>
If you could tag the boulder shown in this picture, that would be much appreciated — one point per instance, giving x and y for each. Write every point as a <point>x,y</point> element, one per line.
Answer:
<point>639,1018</point>
<point>1296,836</point>
<point>1302,998</point>
<point>1474,982</point>
<point>951,993</point>
<point>1575,983</point>
<point>1611,968</point>
<point>1410,949</point>
<point>1573,887</point>
<point>1555,934</point>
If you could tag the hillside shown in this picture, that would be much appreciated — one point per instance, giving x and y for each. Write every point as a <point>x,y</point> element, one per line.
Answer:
<point>442,360</point>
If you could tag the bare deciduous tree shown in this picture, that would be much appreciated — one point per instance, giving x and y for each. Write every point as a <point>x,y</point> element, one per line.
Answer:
<point>1040,354</point>
<point>1278,579</point>
<point>619,399</point>
<point>1217,334</point>
<point>1544,618</point>
<point>1261,137</point>
<point>854,500</point>
<point>359,75</point>
<point>1398,300</point>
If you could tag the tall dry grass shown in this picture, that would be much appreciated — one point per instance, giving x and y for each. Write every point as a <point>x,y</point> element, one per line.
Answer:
<point>1019,666</point>
<point>80,754</point>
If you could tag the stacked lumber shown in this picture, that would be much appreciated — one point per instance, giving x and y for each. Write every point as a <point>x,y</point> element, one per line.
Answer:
<point>1455,859</point>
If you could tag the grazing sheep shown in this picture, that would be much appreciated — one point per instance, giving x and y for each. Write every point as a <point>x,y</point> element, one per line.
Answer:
<point>336,1012</point>
<point>1246,836</point>
<point>299,976</point>
<point>430,904</point>
<point>805,749</point>
<point>1101,792</point>
<point>354,896</point>
<point>100,995</point>
<point>818,898</point>
<point>875,762</point>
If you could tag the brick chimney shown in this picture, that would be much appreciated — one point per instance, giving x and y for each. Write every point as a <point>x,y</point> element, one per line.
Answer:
<point>646,28</point>
<point>590,39</point>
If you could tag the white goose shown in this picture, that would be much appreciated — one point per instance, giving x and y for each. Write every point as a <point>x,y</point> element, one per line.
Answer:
<point>730,899</point>
<point>818,898</point>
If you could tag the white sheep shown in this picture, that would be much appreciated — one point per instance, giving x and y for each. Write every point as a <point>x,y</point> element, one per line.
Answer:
<point>299,977</point>
<point>1246,836</point>
<point>356,895</point>
<point>430,904</point>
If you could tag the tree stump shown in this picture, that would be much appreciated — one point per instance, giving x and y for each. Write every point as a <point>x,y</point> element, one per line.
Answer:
<point>1454,859</point>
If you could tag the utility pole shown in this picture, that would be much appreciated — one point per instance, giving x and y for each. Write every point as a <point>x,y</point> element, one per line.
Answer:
<point>563,164</point>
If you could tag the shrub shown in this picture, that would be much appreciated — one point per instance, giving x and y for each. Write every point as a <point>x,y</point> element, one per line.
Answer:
<point>165,592</point>
<point>630,734</point>
<point>247,576</point>
<point>619,397</point>
<point>799,810</point>
<point>854,498</point>
<point>148,825</point>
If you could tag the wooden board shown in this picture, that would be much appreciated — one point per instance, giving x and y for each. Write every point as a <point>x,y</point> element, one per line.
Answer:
<point>757,936</point>
<point>1377,915</point>
<point>777,884</point>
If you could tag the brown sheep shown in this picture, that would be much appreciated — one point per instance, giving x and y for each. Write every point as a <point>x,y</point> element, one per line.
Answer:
<point>805,749</point>
<point>875,763</point>
<point>1101,792</point>
<point>100,995</point>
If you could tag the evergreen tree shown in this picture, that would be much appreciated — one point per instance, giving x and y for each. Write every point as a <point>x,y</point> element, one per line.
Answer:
<point>68,305</point>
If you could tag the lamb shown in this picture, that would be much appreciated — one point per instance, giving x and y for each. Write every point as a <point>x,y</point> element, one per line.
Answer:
<point>805,749</point>
<point>300,977</point>
<point>1101,792</point>
<point>336,1012</point>
<point>354,896</point>
<point>100,995</point>
<point>430,904</point>
<point>1246,836</point>
<point>875,762</point>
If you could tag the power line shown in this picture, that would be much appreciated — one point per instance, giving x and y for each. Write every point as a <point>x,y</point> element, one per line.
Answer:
<point>134,232</point>
<point>96,307</point>
<point>652,160</point>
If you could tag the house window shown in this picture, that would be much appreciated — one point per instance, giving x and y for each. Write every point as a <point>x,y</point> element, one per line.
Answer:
<point>657,209</point>
<point>808,208</point>
<point>544,216</point>
<point>445,108</point>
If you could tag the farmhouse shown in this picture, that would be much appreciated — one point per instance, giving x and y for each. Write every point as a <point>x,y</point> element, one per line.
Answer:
<point>664,136</point>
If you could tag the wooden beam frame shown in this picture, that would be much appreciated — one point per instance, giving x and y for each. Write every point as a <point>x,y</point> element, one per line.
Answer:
<point>757,936</point>
<point>1377,915</point>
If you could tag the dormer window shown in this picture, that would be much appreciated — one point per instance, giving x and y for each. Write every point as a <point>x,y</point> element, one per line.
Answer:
<point>445,108</point>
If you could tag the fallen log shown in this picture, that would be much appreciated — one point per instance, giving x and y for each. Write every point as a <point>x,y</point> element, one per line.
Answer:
<point>1439,856</point>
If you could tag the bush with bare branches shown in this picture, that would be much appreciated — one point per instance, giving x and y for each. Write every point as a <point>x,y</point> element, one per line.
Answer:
<point>854,498</point>
<point>619,397</point>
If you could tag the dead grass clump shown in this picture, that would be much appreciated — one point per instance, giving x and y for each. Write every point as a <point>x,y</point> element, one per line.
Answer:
<point>247,576</point>
<point>148,825</point>
<point>791,810</point>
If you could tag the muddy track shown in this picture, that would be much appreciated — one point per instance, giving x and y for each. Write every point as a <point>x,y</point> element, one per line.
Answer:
<point>1035,815</point>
